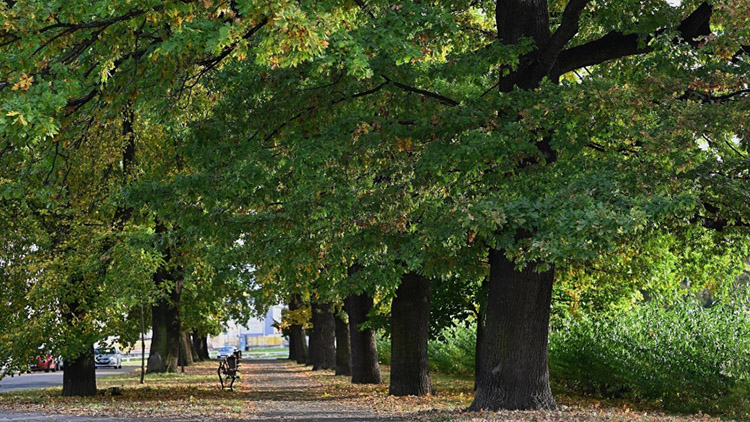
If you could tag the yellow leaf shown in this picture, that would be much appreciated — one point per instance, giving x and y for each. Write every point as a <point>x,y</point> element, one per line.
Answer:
<point>24,83</point>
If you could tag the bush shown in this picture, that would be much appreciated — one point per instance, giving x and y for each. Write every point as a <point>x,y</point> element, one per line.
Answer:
<point>384,349</point>
<point>455,352</point>
<point>689,357</point>
<point>452,354</point>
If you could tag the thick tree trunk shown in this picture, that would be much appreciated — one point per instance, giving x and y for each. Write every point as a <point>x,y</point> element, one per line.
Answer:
<point>364,350</point>
<point>410,325</point>
<point>198,345</point>
<point>166,336</point>
<point>79,375</point>
<point>297,342</point>
<point>324,354</point>
<point>186,350</point>
<point>343,355</point>
<point>514,373</point>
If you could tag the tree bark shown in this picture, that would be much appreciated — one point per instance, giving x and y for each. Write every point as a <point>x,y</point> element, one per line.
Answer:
<point>198,345</point>
<point>514,373</point>
<point>410,325</point>
<point>297,342</point>
<point>481,312</point>
<point>343,355</point>
<point>324,354</point>
<point>363,348</point>
<point>79,375</point>
<point>312,347</point>
<point>206,355</point>
<point>186,350</point>
<point>166,335</point>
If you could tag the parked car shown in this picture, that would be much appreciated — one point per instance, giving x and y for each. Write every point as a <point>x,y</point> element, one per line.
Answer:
<point>107,356</point>
<point>225,352</point>
<point>44,361</point>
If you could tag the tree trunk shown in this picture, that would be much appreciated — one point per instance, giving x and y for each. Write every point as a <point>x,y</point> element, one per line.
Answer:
<point>193,350</point>
<point>343,355</point>
<point>186,350</point>
<point>297,342</point>
<point>79,375</point>
<point>410,325</point>
<point>514,373</point>
<point>481,312</point>
<point>166,336</point>
<point>206,355</point>
<point>324,354</point>
<point>198,345</point>
<point>313,347</point>
<point>364,350</point>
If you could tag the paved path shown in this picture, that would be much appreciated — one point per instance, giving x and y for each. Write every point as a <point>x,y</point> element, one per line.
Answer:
<point>36,380</point>
<point>284,392</point>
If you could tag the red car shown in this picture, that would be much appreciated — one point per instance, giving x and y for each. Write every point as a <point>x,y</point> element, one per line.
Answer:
<point>44,363</point>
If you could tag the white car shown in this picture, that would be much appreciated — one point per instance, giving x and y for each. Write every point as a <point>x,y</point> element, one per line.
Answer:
<point>107,356</point>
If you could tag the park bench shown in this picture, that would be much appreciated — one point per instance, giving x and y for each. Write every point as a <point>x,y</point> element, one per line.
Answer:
<point>229,369</point>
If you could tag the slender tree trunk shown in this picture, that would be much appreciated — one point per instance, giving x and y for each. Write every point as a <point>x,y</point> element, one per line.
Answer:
<point>198,347</point>
<point>343,355</point>
<point>143,346</point>
<point>514,373</point>
<point>364,350</point>
<point>79,375</point>
<point>324,355</point>
<point>410,325</point>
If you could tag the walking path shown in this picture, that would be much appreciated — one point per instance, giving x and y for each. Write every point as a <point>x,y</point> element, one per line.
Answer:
<point>284,392</point>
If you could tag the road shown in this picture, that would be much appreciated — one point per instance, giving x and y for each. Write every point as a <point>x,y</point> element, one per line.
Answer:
<point>36,380</point>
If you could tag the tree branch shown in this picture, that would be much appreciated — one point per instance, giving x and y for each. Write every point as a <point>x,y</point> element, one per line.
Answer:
<point>210,63</point>
<point>615,44</point>
<point>565,32</point>
<point>442,98</point>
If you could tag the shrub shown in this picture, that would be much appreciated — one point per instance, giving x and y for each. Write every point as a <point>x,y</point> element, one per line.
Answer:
<point>452,354</point>
<point>384,349</point>
<point>689,357</point>
<point>455,352</point>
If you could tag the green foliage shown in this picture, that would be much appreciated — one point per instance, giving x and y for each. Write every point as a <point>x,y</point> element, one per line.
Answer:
<point>384,349</point>
<point>455,350</point>
<point>686,356</point>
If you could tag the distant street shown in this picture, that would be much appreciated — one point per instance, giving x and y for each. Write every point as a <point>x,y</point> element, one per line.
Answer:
<point>36,380</point>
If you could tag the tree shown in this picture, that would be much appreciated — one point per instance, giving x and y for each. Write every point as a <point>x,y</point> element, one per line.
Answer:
<point>416,136</point>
